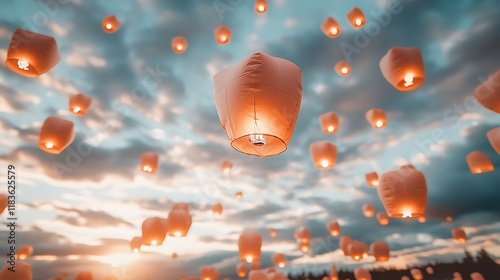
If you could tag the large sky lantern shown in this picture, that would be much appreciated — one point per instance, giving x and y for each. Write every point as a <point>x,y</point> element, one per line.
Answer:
<point>476,276</point>
<point>459,235</point>
<point>356,18</point>
<point>329,123</point>
<point>331,28</point>
<point>249,245</point>
<point>279,260</point>
<point>255,266</point>
<point>372,179</point>
<point>380,250</point>
<point>376,118</point>
<point>56,135</point>
<point>429,270</point>
<point>4,202</point>
<point>303,234</point>
<point>241,270</point>
<point>403,68</point>
<point>135,244</point>
<point>362,274</point>
<point>85,275</point>
<point>79,104</point>
<point>149,162</point>
<point>31,54</point>
<point>179,44</point>
<point>479,162</point>
<point>222,35</point>
<point>273,232</point>
<point>382,218</point>
<point>154,231</point>
<point>226,167</point>
<point>110,24</point>
<point>368,210</point>
<point>488,93</point>
<point>24,252</point>
<point>416,274</point>
<point>342,68</point>
<point>178,222</point>
<point>344,242</point>
<point>333,228</point>
<point>23,272</point>
<point>357,250</point>
<point>403,193</point>
<point>260,6</point>
<point>323,154</point>
<point>333,273</point>
<point>257,110</point>
<point>208,273</point>
<point>494,138</point>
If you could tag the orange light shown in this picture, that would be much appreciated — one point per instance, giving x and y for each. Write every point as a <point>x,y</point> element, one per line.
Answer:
<point>109,26</point>
<point>379,124</point>
<point>49,145</point>
<point>358,21</point>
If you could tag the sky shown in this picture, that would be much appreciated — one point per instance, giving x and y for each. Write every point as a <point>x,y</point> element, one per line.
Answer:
<point>80,209</point>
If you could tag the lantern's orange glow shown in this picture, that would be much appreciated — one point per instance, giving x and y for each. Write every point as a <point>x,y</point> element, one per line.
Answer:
<point>417,274</point>
<point>135,244</point>
<point>303,234</point>
<point>222,35</point>
<point>459,235</point>
<point>84,276</point>
<point>249,245</point>
<point>333,273</point>
<point>356,18</point>
<point>208,273</point>
<point>149,162</point>
<point>179,44</point>
<point>476,276</point>
<point>403,68</point>
<point>372,179</point>
<point>154,231</point>
<point>217,209</point>
<point>376,117</point>
<point>494,138</point>
<point>449,219</point>
<point>368,210</point>
<point>382,218</point>
<point>279,260</point>
<point>357,250</point>
<point>362,274</point>
<point>273,232</point>
<point>422,220</point>
<point>344,243</point>
<point>79,103</point>
<point>226,167</point>
<point>323,154</point>
<point>329,122</point>
<point>479,162</point>
<point>304,246</point>
<point>178,222</point>
<point>380,250</point>
<point>24,252</point>
<point>55,135</point>
<point>429,270</point>
<point>457,276</point>
<point>331,28</point>
<point>241,270</point>
<point>488,93</point>
<point>333,228</point>
<point>260,6</point>
<point>239,195</point>
<point>342,68</point>
<point>110,24</point>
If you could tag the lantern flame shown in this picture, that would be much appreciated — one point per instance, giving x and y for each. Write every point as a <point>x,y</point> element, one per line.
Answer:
<point>154,243</point>
<point>304,248</point>
<point>407,214</point>
<point>22,257</point>
<point>379,124</point>
<point>331,128</point>
<point>325,163</point>
<point>136,250</point>
<point>49,145</point>
<point>147,169</point>
<point>375,182</point>
<point>223,38</point>
<point>257,139</point>
<point>344,70</point>
<point>356,257</point>
<point>249,259</point>
<point>109,26</point>
<point>23,64</point>
<point>179,47</point>
<point>358,21</point>
<point>408,80</point>
<point>365,255</point>
<point>177,234</point>
<point>261,8</point>
<point>76,110</point>
<point>334,31</point>
<point>281,265</point>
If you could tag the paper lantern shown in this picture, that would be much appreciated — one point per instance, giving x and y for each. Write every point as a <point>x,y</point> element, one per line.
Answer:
<point>276,276</point>
<point>179,44</point>
<point>303,234</point>
<point>255,266</point>
<point>476,276</point>
<point>79,103</point>
<point>376,118</point>
<point>357,250</point>
<point>226,167</point>
<point>249,245</point>
<point>362,274</point>
<point>4,202</point>
<point>222,35</point>
<point>241,270</point>
<point>304,246</point>
<point>403,193</point>
<point>494,138</point>
<point>457,276</point>
<point>356,18</point>
<point>24,252</point>
<point>55,135</point>
<point>459,235</point>
<point>178,222</point>
<point>403,68</point>
<point>22,272</point>
<point>380,250</point>
<point>273,232</point>
<point>422,220</point>
<point>329,122</point>
<point>217,209</point>
<point>382,218</point>
<point>110,24</point>
<point>208,273</point>
<point>154,231</point>
<point>344,243</point>
<point>86,275</point>
<point>368,210</point>
<point>260,6</point>
<point>256,108</point>
<point>479,162</point>
<point>180,206</point>
<point>31,54</point>
<point>342,68</point>
<point>239,195</point>
<point>174,256</point>
<point>279,260</point>
<point>331,28</point>
<point>429,270</point>
<point>323,154</point>
<point>333,273</point>
<point>135,244</point>
<point>372,179</point>
<point>488,93</point>
<point>416,274</point>
<point>333,228</point>
<point>149,162</point>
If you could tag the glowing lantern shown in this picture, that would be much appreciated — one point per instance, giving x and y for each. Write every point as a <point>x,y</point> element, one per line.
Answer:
<point>241,270</point>
<point>135,244</point>
<point>372,179</point>
<point>84,276</point>
<point>417,274</point>
<point>217,209</point>
<point>449,219</point>
<point>149,162</point>
<point>356,18</point>
<point>344,243</point>
<point>55,135</point>
<point>459,235</point>
<point>279,260</point>
<point>31,54</point>
<point>403,193</point>
<point>457,276</point>
<point>380,250</point>
<point>362,274</point>
<point>333,273</point>
<point>329,122</point>
<point>273,232</point>
<point>257,110</point>
<point>429,270</point>
<point>178,222</point>
<point>24,252</point>
<point>303,234</point>
<point>331,28</point>
<point>260,6</point>
<point>368,210</point>
<point>304,246</point>
<point>79,103</point>
<point>4,202</point>
<point>179,44</point>
<point>255,266</point>
<point>208,273</point>
<point>357,250</point>
<point>180,206</point>
<point>22,272</point>
<point>488,93</point>
<point>422,220</point>
<point>174,256</point>
<point>376,117</point>
<point>222,35</point>
<point>249,245</point>
<point>110,24</point>
<point>333,228</point>
<point>239,195</point>
<point>342,68</point>
<point>479,162</point>
<point>403,68</point>
<point>276,276</point>
<point>323,154</point>
<point>382,218</point>
<point>476,276</point>
<point>226,167</point>
<point>494,138</point>
<point>154,231</point>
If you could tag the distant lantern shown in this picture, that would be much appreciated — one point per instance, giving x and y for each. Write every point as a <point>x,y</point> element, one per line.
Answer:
<point>279,260</point>
<point>494,138</point>
<point>304,246</point>
<point>479,162</point>
<point>368,210</point>
<point>178,222</point>
<point>79,103</point>
<point>4,202</point>
<point>362,274</point>
<point>257,110</point>
<point>422,220</point>
<point>241,269</point>
<point>333,228</point>
<point>356,18</point>
<point>459,235</point>
<point>222,35</point>
<point>110,24</point>
<point>323,154</point>
<point>372,179</point>
<point>331,28</point>
<point>382,218</point>
<point>154,231</point>
<point>333,273</point>
<point>179,44</point>
<point>239,195</point>
<point>403,193</point>
<point>208,273</point>
<point>376,118</point>
<point>149,162</point>
<point>226,167</point>
<point>249,245</point>
<point>272,232</point>
<point>255,266</point>
<point>344,242</point>
<point>86,275</point>
<point>403,68</point>
<point>488,93</point>
<point>303,234</point>
<point>429,270</point>
<point>457,276</point>
<point>217,209</point>
<point>329,123</point>
<point>174,256</point>
<point>31,54</point>
<point>417,274</point>
<point>55,135</point>
<point>380,250</point>
<point>24,252</point>
<point>342,68</point>
<point>260,6</point>
<point>476,276</point>
<point>135,244</point>
<point>357,250</point>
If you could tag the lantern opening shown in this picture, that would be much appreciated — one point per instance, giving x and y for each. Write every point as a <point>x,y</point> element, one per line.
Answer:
<point>379,124</point>
<point>344,70</point>
<point>408,80</point>
<point>331,128</point>
<point>375,182</point>
<point>249,259</point>
<point>407,214</point>
<point>76,110</point>
<point>257,139</point>
<point>223,38</point>
<point>136,250</point>
<point>325,163</point>
<point>261,8</point>
<point>147,169</point>
<point>304,248</point>
<point>358,22</point>
<point>281,265</point>
<point>22,257</point>
<point>109,26</point>
<point>334,31</point>
<point>154,243</point>
<point>49,145</point>
<point>365,255</point>
<point>23,64</point>
<point>177,234</point>
<point>356,257</point>
<point>179,47</point>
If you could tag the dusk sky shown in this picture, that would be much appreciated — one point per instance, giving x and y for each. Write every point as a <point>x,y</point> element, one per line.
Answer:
<point>80,209</point>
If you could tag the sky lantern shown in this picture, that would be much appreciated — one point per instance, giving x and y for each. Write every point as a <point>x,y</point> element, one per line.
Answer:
<point>31,54</point>
<point>416,274</point>
<point>217,209</point>
<point>476,276</point>
<point>323,154</point>
<point>79,103</point>
<point>380,250</point>
<point>86,275</point>
<point>179,44</point>
<point>333,228</point>
<point>255,266</point>
<point>342,68</point>
<point>459,235</point>
<point>208,273</point>
<point>479,162</point>
<point>303,234</point>
<point>488,93</point>
<point>372,179</point>
<point>239,195</point>
<point>24,252</point>
<point>135,244</point>
<point>331,28</point>
<point>403,68</point>
<point>376,118</point>
<point>249,245</point>
<point>422,220</point>
<point>457,276</point>
<point>260,6</point>
<point>329,122</point>
<point>368,210</point>
<point>4,202</point>
<point>356,18</point>
<point>174,256</point>
<point>178,222</point>
<point>362,274</point>
<point>382,218</point>
<point>429,270</point>
<point>403,193</point>
<point>154,231</point>
<point>279,260</point>
<point>257,110</point>
<point>241,269</point>
<point>56,135</point>
<point>22,272</point>
<point>357,250</point>
<point>226,167</point>
<point>344,242</point>
<point>333,273</point>
<point>494,138</point>
<point>110,24</point>
<point>272,232</point>
<point>222,35</point>
<point>149,162</point>
<point>304,246</point>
